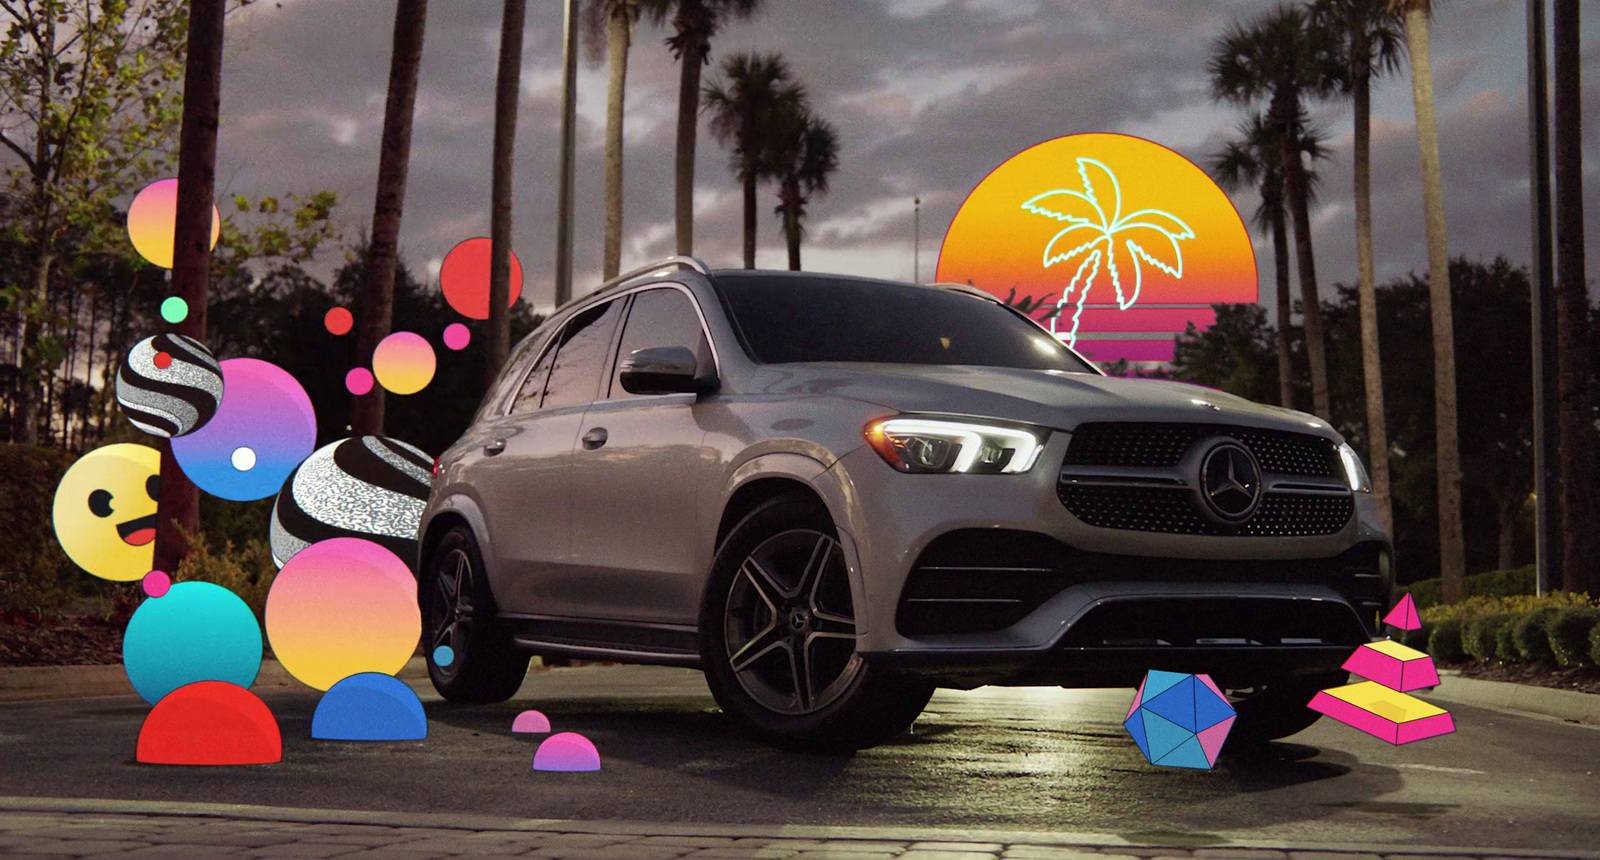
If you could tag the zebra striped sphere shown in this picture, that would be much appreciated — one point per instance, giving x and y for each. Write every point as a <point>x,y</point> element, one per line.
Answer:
<point>369,487</point>
<point>170,396</point>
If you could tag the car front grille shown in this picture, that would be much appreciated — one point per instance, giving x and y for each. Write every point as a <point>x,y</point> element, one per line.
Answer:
<point>1127,476</point>
<point>1160,509</point>
<point>1163,445</point>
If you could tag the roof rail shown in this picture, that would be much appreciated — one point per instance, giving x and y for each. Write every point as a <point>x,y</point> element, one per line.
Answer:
<point>680,262</point>
<point>968,289</point>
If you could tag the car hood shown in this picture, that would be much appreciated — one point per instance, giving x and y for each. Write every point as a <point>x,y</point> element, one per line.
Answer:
<point>1048,398</point>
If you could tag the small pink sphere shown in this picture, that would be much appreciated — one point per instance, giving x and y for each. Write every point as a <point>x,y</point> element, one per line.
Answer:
<point>358,381</point>
<point>156,583</point>
<point>457,336</point>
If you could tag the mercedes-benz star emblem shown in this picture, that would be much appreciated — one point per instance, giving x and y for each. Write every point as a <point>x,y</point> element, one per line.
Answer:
<point>1230,482</point>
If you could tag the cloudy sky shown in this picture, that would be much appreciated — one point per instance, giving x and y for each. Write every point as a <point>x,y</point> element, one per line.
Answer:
<point>928,95</point>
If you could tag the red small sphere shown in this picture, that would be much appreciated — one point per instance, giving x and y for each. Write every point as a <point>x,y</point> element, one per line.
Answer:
<point>163,360</point>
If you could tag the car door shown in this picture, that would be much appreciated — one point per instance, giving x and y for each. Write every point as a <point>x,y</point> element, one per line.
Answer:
<point>638,469</point>
<point>524,480</point>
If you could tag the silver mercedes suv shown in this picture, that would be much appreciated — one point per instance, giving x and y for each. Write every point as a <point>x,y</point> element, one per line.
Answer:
<point>834,494</point>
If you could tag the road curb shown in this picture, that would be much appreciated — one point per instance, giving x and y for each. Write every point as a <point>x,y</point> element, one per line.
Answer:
<point>1568,705</point>
<point>42,683</point>
<point>1097,842</point>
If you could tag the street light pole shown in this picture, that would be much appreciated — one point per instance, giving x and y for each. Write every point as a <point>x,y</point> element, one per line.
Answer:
<point>916,240</point>
<point>569,107</point>
<point>1546,439</point>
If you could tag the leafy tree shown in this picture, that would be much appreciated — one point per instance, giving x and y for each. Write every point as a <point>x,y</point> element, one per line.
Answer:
<point>1447,446</point>
<point>1369,38</point>
<point>695,22</point>
<point>1282,59</point>
<point>88,106</point>
<point>759,89</point>
<point>1234,354</point>
<point>805,152</point>
<point>376,316</point>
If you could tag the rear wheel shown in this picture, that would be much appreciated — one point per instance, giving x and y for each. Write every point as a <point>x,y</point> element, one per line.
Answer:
<point>778,638</point>
<point>458,612</point>
<point>1278,709</point>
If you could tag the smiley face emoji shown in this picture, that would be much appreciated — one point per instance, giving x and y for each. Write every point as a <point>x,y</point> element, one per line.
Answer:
<point>105,511</point>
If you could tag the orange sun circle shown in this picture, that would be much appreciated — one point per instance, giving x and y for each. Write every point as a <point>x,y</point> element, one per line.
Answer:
<point>1125,239</point>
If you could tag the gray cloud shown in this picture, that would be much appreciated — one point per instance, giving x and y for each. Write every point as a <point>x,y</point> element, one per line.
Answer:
<point>929,96</point>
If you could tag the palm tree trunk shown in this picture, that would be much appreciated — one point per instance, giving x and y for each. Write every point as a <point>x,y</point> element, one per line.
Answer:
<point>507,90</point>
<point>1294,180</point>
<point>377,298</point>
<point>1280,259</point>
<point>178,511</point>
<point>1371,368</point>
<point>1447,454</point>
<point>750,219</point>
<point>1507,520</point>
<point>619,26</point>
<point>688,118</point>
<point>1580,541</point>
<point>791,223</point>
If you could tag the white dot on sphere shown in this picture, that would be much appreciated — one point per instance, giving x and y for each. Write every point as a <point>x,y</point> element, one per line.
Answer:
<point>244,459</point>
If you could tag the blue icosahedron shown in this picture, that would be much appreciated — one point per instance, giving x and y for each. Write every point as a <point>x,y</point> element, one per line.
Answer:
<point>1179,720</point>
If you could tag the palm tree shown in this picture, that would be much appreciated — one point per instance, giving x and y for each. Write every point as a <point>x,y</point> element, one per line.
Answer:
<point>608,25</point>
<point>507,89</point>
<point>1371,42</point>
<point>178,509</point>
<point>1254,160</point>
<point>1284,60</point>
<point>758,89</point>
<point>806,153</point>
<point>1577,442</point>
<point>394,156</point>
<point>695,22</point>
<point>1447,443</point>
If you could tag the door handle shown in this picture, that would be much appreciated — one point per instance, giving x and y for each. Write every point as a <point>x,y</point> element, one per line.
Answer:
<point>494,447</point>
<point>594,438</point>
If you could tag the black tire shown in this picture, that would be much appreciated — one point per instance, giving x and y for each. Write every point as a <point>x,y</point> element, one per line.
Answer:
<point>779,589</point>
<point>459,611</point>
<point>1278,709</point>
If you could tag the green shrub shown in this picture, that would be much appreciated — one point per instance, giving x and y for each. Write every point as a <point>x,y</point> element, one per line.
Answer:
<point>1444,643</point>
<point>1417,638</point>
<point>36,577</point>
<point>1505,647</point>
<point>248,572</point>
<point>1494,583</point>
<point>1531,634</point>
<point>1480,637</point>
<point>1594,644</point>
<point>1569,634</point>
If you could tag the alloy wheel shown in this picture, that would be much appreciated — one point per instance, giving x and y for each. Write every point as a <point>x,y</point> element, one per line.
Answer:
<point>790,623</point>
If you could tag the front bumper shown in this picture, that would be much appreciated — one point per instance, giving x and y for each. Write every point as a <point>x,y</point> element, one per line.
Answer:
<point>1185,601</point>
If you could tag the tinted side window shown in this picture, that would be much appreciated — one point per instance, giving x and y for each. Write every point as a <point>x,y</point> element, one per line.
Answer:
<point>663,317</point>
<point>532,389</point>
<point>581,356</point>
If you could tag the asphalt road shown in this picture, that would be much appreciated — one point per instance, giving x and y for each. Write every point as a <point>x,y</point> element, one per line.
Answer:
<point>1033,759</point>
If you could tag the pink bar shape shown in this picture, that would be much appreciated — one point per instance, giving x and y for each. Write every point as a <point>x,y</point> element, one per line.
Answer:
<point>1379,727</point>
<point>1391,671</point>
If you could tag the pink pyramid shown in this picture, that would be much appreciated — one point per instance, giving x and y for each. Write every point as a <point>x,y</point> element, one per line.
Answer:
<point>1403,615</point>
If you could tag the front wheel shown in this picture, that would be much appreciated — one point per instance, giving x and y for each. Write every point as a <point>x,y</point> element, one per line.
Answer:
<point>458,612</point>
<point>778,638</point>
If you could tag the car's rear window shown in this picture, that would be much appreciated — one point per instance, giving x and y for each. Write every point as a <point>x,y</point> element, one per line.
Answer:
<point>819,318</point>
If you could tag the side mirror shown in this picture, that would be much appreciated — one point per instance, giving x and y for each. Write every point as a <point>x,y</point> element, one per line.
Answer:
<point>664,370</point>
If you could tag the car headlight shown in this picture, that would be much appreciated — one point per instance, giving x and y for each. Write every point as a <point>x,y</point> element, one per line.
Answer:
<point>945,446</point>
<point>1354,472</point>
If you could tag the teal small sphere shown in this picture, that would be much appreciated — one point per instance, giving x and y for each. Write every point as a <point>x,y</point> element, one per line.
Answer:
<point>174,310</point>
<point>197,631</point>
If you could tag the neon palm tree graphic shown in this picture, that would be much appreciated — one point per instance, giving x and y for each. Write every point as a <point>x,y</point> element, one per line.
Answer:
<point>1141,233</point>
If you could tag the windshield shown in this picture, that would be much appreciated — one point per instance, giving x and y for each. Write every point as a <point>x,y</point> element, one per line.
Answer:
<point>787,318</point>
